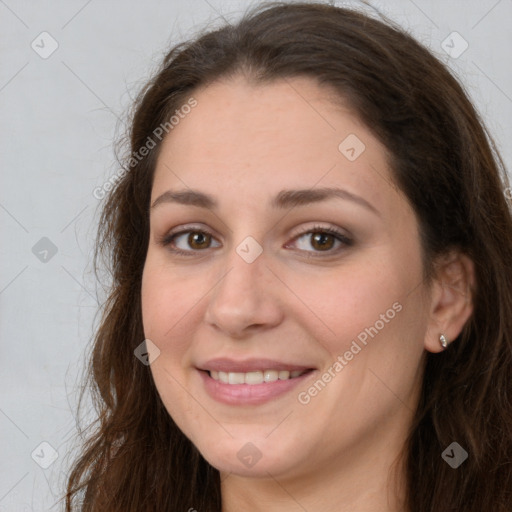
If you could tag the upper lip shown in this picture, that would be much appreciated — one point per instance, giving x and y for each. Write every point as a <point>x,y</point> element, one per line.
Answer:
<point>248,365</point>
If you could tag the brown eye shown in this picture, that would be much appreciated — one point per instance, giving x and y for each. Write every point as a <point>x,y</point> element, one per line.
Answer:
<point>191,240</point>
<point>198,239</point>
<point>322,241</point>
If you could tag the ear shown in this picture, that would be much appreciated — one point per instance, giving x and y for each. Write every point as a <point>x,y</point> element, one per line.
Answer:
<point>452,296</point>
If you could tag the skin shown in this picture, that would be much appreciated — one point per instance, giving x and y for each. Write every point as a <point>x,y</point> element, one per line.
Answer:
<point>243,144</point>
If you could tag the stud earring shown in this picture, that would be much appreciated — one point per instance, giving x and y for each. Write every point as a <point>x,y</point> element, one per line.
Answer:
<point>443,341</point>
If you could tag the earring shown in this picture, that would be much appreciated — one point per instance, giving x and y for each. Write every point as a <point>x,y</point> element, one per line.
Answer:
<point>443,341</point>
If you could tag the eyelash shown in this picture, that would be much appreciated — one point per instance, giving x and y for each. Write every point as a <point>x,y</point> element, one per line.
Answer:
<point>166,240</point>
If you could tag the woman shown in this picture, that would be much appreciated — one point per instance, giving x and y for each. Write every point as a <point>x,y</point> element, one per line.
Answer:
<point>310,309</point>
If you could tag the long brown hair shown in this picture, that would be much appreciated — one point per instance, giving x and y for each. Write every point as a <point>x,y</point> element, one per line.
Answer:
<point>135,458</point>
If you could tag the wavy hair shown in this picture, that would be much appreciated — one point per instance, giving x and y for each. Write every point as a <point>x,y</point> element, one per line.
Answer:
<point>134,457</point>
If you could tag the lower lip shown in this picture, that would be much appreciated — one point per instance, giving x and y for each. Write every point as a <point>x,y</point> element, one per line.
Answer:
<point>249,394</point>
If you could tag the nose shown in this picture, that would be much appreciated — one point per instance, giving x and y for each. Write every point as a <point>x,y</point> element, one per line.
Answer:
<point>245,299</point>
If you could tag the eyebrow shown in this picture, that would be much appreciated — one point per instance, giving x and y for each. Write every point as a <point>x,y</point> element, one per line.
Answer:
<point>284,199</point>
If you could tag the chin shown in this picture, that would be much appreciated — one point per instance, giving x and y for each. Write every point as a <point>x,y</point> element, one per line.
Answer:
<point>257,458</point>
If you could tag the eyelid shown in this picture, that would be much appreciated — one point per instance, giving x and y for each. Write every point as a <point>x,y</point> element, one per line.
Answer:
<point>324,228</point>
<point>168,237</point>
<point>345,239</point>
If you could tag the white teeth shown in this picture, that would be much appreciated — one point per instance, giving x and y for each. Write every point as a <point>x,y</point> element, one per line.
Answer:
<point>253,378</point>
<point>256,377</point>
<point>236,378</point>
<point>270,375</point>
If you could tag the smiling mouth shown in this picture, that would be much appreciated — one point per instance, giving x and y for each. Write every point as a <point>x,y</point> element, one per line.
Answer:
<point>256,377</point>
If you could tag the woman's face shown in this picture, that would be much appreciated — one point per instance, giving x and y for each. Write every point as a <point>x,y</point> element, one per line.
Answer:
<point>264,289</point>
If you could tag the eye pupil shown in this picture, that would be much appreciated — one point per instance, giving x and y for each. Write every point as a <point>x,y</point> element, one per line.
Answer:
<point>320,238</point>
<point>196,237</point>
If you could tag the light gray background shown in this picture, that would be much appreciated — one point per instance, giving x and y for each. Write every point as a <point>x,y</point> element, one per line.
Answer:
<point>59,117</point>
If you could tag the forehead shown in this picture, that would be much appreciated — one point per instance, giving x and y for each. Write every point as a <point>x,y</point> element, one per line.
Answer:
<point>236,119</point>
<point>249,138</point>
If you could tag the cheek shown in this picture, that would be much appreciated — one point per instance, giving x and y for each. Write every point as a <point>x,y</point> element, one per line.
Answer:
<point>335,305</point>
<point>357,298</point>
<point>377,322</point>
<point>167,312</point>
<point>168,303</point>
